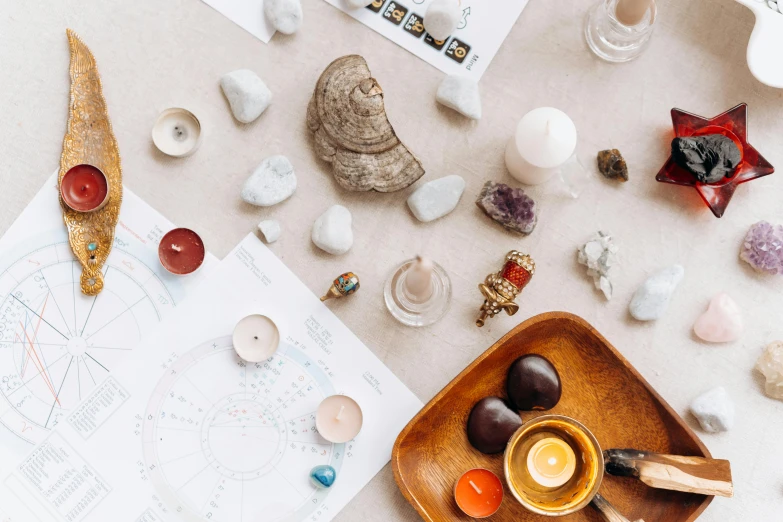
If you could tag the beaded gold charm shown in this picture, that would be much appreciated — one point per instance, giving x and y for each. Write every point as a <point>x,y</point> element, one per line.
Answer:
<point>344,285</point>
<point>502,288</point>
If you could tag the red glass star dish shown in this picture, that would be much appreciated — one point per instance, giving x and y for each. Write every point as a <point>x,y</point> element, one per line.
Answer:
<point>732,124</point>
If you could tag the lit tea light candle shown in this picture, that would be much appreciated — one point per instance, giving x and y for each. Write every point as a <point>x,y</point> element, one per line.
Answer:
<point>339,419</point>
<point>545,139</point>
<point>84,188</point>
<point>479,493</point>
<point>177,132</point>
<point>181,251</point>
<point>551,462</point>
<point>256,338</point>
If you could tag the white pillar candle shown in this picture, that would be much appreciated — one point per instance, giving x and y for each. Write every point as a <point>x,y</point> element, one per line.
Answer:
<point>256,338</point>
<point>544,140</point>
<point>339,419</point>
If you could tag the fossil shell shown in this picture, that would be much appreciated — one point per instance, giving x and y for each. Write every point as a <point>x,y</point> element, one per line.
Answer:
<point>352,132</point>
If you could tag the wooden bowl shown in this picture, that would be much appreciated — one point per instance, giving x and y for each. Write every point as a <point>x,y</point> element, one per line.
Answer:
<point>600,389</point>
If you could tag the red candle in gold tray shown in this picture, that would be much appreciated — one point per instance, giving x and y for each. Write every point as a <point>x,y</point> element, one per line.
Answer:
<point>181,251</point>
<point>84,188</point>
<point>479,493</point>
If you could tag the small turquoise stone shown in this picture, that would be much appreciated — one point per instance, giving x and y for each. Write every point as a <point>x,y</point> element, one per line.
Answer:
<point>92,246</point>
<point>323,476</point>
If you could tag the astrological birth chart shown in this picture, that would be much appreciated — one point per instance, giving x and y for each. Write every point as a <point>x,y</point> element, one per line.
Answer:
<point>220,435</point>
<point>57,344</point>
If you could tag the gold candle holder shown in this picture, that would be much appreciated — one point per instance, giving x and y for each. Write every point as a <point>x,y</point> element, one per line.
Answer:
<point>587,468</point>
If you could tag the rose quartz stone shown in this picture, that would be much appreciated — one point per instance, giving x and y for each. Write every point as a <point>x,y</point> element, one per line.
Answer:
<point>721,323</point>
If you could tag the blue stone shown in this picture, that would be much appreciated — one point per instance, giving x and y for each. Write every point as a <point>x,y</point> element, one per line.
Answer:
<point>323,476</point>
<point>92,246</point>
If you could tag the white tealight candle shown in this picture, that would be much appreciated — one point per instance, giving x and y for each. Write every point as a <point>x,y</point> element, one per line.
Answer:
<point>177,132</point>
<point>339,419</point>
<point>551,462</point>
<point>256,338</point>
<point>544,140</point>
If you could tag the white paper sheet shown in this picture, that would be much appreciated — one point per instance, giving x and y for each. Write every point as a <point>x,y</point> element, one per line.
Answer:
<point>56,344</point>
<point>247,14</point>
<point>468,52</point>
<point>186,431</point>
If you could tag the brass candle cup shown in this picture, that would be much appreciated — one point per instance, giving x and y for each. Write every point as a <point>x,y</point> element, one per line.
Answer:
<point>578,491</point>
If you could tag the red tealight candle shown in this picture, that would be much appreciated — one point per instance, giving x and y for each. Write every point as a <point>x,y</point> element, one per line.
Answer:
<point>479,493</point>
<point>84,188</point>
<point>181,251</point>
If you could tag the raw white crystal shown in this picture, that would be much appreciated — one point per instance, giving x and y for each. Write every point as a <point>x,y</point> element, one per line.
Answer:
<point>714,410</point>
<point>272,182</point>
<point>442,17</point>
<point>770,364</point>
<point>357,4</point>
<point>599,255</point>
<point>270,229</point>
<point>652,298</point>
<point>247,94</point>
<point>332,230</point>
<point>285,15</point>
<point>436,198</point>
<point>461,94</point>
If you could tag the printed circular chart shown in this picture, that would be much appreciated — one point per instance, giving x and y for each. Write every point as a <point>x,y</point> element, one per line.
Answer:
<point>57,344</point>
<point>226,440</point>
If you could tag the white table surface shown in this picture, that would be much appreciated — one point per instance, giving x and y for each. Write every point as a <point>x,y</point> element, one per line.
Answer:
<point>155,54</point>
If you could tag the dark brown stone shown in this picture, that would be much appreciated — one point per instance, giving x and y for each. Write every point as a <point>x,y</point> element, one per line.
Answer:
<point>533,383</point>
<point>710,158</point>
<point>612,165</point>
<point>491,424</point>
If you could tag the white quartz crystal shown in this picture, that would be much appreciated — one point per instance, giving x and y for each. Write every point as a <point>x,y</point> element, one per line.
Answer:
<point>247,94</point>
<point>652,298</point>
<point>442,18</point>
<point>770,364</point>
<point>272,182</point>
<point>436,198</point>
<point>461,94</point>
<point>714,410</point>
<point>270,229</point>
<point>599,255</point>
<point>332,230</point>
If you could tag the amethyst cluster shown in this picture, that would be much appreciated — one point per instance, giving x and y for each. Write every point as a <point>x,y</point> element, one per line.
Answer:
<point>763,248</point>
<point>509,206</point>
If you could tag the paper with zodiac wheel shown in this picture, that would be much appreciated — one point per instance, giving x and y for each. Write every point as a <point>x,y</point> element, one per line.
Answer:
<point>57,344</point>
<point>187,431</point>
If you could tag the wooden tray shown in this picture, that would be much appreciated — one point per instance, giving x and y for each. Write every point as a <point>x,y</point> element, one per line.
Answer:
<point>600,388</point>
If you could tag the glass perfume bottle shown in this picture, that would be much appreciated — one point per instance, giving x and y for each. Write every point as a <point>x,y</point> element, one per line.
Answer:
<point>619,30</point>
<point>418,293</point>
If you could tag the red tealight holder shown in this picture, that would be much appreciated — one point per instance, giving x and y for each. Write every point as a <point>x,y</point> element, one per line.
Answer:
<point>479,493</point>
<point>181,251</point>
<point>84,188</point>
<point>732,124</point>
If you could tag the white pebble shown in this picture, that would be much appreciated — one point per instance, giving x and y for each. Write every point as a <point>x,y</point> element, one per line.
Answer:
<point>357,4</point>
<point>247,94</point>
<point>332,231</point>
<point>270,229</point>
<point>285,15</point>
<point>461,94</point>
<point>273,181</point>
<point>714,410</point>
<point>442,18</point>
<point>437,198</point>
<point>652,298</point>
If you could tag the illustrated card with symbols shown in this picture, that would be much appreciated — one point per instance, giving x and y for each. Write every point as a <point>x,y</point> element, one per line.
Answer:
<point>467,52</point>
<point>186,431</point>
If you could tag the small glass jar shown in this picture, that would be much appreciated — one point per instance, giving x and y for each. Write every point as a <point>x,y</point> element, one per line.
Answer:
<point>613,40</point>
